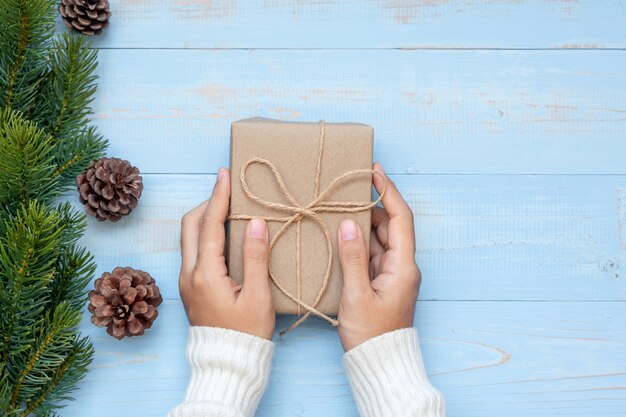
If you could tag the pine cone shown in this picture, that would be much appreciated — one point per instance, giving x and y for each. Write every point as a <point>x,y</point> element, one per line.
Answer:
<point>110,188</point>
<point>88,17</point>
<point>124,301</point>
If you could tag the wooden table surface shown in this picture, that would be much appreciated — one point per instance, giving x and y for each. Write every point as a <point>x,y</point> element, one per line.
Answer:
<point>504,125</point>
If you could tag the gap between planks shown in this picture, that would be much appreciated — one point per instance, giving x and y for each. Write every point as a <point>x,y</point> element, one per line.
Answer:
<point>399,48</point>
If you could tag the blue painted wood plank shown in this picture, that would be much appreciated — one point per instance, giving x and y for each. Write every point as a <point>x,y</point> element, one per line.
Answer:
<point>552,112</point>
<point>478,237</point>
<point>528,358</point>
<point>366,24</point>
<point>557,239</point>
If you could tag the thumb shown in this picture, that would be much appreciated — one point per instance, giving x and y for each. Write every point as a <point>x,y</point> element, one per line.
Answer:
<point>354,257</point>
<point>256,250</point>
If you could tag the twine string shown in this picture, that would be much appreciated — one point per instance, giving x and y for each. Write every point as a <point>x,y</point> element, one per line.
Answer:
<point>309,211</point>
<point>298,266</point>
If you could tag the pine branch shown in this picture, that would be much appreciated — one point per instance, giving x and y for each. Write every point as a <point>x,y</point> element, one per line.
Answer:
<point>52,395</point>
<point>71,84</point>
<point>75,268</point>
<point>28,254</point>
<point>30,377</point>
<point>40,264</point>
<point>46,90</point>
<point>26,27</point>
<point>75,265</point>
<point>50,359</point>
<point>73,224</point>
<point>26,161</point>
<point>75,153</point>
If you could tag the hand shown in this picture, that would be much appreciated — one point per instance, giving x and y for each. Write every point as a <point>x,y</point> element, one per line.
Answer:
<point>387,302</point>
<point>210,296</point>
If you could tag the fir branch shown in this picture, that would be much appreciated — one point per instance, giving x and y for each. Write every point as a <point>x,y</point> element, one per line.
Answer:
<point>74,154</point>
<point>63,168</point>
<point>75,265</point>
<point>40,345</point>
<point>36,356</point>
<point>49,359</point>
<point>28,254</point>
<point>27,156</point>
<point>72,222</point>
<point>75,268</point>
<point>27,27</point>
<point>46,90</point>
<point>72,85</point>
<point>64,380</point>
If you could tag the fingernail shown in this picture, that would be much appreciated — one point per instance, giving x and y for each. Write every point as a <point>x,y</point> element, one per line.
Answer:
<point>348,230</point>
<point>257,229</point>
<point>379,168</point>
<point>220,173</point>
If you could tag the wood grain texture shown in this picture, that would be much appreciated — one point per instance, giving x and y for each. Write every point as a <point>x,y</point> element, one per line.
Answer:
<point>528,358</point>
<point>366,24</point>
<point>529,112</point>
<point>524,275</point>
<point>478,237</point>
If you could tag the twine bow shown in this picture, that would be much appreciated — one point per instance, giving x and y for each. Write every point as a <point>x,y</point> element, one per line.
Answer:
<point>297,213</point>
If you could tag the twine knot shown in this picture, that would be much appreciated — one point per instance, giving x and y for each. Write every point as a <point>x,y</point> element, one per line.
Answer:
<point>309,211</point>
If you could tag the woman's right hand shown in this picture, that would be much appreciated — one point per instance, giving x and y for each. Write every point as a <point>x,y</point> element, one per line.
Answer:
<point>380,288</point>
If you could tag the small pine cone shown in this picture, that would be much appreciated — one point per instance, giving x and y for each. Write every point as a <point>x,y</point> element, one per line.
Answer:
<point>124,301</point>
<point>110,188</point>
<point>88,17</point>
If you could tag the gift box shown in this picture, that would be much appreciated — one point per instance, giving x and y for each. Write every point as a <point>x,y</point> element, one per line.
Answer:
<point>307,158</point>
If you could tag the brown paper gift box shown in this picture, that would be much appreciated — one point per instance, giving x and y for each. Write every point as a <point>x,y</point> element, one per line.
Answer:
<point>293,147</point>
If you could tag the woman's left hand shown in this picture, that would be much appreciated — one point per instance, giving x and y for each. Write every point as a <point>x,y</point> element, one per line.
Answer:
<point>210,296</point>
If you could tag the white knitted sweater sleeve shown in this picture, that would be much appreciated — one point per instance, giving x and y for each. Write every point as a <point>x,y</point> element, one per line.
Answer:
<point>229,373</point>
<point>230,370</point>
<point>388,378</point>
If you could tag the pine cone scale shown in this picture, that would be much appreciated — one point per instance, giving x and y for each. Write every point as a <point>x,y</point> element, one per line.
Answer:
<point>129,295</point>
<point>104,311</point>
<point>117,329</point>
<point>151,313</point>
<point>70,13</point>
<point>83,21</point>
<point>107,192</point>
<point>134,327</point>
<point>101,321</point>
<point>140,308</point>
<point>97,300</point>
<point>76,25</point>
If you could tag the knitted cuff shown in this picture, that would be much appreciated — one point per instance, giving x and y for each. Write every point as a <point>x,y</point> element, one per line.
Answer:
<point>229,369</point>
<point>388,378</point>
